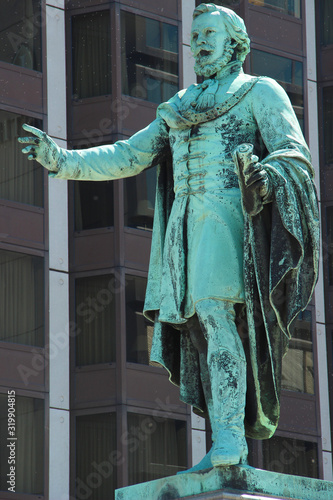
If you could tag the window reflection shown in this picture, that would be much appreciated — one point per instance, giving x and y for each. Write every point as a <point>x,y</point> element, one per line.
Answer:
<point>288,72</point>
<point>297,365</point>
<point>21,180</point>
<point>93,204</point>
<point>139,331</point>
<point>95,320</point>
<point>91,55</point>
<point>140,200</point>
<point>326,22</point>
<point>291,456</point>
<point>21,298</point>
<point>292,7</point>
<point>96,456</point>
<point>328,123</point>
<point>20,33</point>
<point>29,449</point>
<point>149,58</point>
<point>162,450</point>
<point>329,250</point>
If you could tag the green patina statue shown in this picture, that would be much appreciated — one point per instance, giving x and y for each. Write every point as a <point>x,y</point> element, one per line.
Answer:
<point>234,253</point>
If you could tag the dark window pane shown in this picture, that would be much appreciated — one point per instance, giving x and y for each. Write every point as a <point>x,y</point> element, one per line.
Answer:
<point>20,33</point>
<point>297,365</point>
<point>329,249</point>
<point>162,452</point>
<point>29,445</point>
<point>95,320</point>
<point>292,7</point>
<point>225,3</point>
<point>21,180</point>
<point>328,123</point>
<point>139,331</point>
<point>287,72</point>
<point>149,58</point>
<point>140,200</point>
<point>91,55</point>
<point>93,204</point>
<point>96,457</point>
<point>291,456</point>
<point>326,22</point>
<point>21,298</point>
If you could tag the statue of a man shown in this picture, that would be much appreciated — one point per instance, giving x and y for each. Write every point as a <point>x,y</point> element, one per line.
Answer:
<point>224,284</point>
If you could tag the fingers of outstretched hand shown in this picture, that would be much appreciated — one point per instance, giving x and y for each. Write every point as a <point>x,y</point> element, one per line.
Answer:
<point>33,130</point>
<point>31,152</point>
<point>29,140</point>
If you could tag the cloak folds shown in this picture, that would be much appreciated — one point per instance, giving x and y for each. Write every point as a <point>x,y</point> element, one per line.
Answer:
<point>281,248</point>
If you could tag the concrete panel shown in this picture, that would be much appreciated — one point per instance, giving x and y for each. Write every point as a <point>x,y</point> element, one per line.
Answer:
<point>56,72</point>
<point>197,422</point>
<point>59,455</point>
<point>58,224</point>
<point>310,27</point>
<point>323,389</point>
<point>188,67</point>
<point>188,7</point>
<point>327,465</point>
<point>59,340</point>
<point>198,446</point>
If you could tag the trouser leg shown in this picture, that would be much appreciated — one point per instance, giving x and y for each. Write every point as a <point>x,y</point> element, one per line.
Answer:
<point>223,366</point>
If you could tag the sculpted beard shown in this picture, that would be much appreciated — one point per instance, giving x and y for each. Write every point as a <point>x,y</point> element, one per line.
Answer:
<point>205,69</point>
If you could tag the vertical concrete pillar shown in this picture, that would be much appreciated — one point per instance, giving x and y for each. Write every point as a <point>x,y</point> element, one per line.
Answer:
<point>59,437</point>
<point>319,292</point>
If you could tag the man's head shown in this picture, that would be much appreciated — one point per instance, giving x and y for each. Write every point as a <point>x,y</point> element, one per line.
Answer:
<point>218,35</point>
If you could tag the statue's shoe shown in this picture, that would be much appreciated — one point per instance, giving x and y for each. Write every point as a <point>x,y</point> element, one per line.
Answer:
<point>205,463</point>
<point>229,450</point>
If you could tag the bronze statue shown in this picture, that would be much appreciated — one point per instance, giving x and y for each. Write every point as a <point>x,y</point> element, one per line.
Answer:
<point>234,253</point>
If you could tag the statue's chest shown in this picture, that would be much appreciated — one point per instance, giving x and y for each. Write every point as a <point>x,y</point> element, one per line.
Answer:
<point>214,140</point>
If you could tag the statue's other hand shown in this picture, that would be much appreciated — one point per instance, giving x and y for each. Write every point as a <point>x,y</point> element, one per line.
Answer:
<point>257,178</point>
<point>41,148</point>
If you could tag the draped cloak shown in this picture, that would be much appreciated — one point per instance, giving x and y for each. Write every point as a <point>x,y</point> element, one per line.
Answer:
<point>280,243</point>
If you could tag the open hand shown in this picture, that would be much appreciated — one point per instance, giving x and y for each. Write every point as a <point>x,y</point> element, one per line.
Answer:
<point>41,148</point>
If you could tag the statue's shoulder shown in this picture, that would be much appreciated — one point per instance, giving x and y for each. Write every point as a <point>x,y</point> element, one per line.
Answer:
<point>266,86</point>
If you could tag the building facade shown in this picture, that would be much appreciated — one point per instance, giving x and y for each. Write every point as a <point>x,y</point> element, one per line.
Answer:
<point>82,409</point>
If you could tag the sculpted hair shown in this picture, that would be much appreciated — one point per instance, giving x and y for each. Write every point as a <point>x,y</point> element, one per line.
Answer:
<point>234,25</point>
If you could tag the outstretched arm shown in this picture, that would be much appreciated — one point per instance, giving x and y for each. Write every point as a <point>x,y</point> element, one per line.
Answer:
<point>122,159</point>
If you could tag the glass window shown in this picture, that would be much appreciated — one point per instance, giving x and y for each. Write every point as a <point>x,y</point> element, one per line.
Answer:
<point>95,320</point>
<point>149,58</point>
<point>96,457</point>
<point>139,331</point>
<point>21,180</point>
<point>287,72</point>
<point>329,249</point>
<point>93,204</point>
<point>290,456</point>
<point>292,7</point>
<point>328,123</point>
<point>91,55</point>
<point>21,298</point>
<point>297,365</point>
<point>140,200</point>
<point>20,33</point>
<point>28,447</point>
<point>157,448</point>
<point>326,22</point>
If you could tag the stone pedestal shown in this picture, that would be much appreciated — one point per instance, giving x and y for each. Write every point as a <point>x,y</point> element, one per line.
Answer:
<point>230,483</point>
